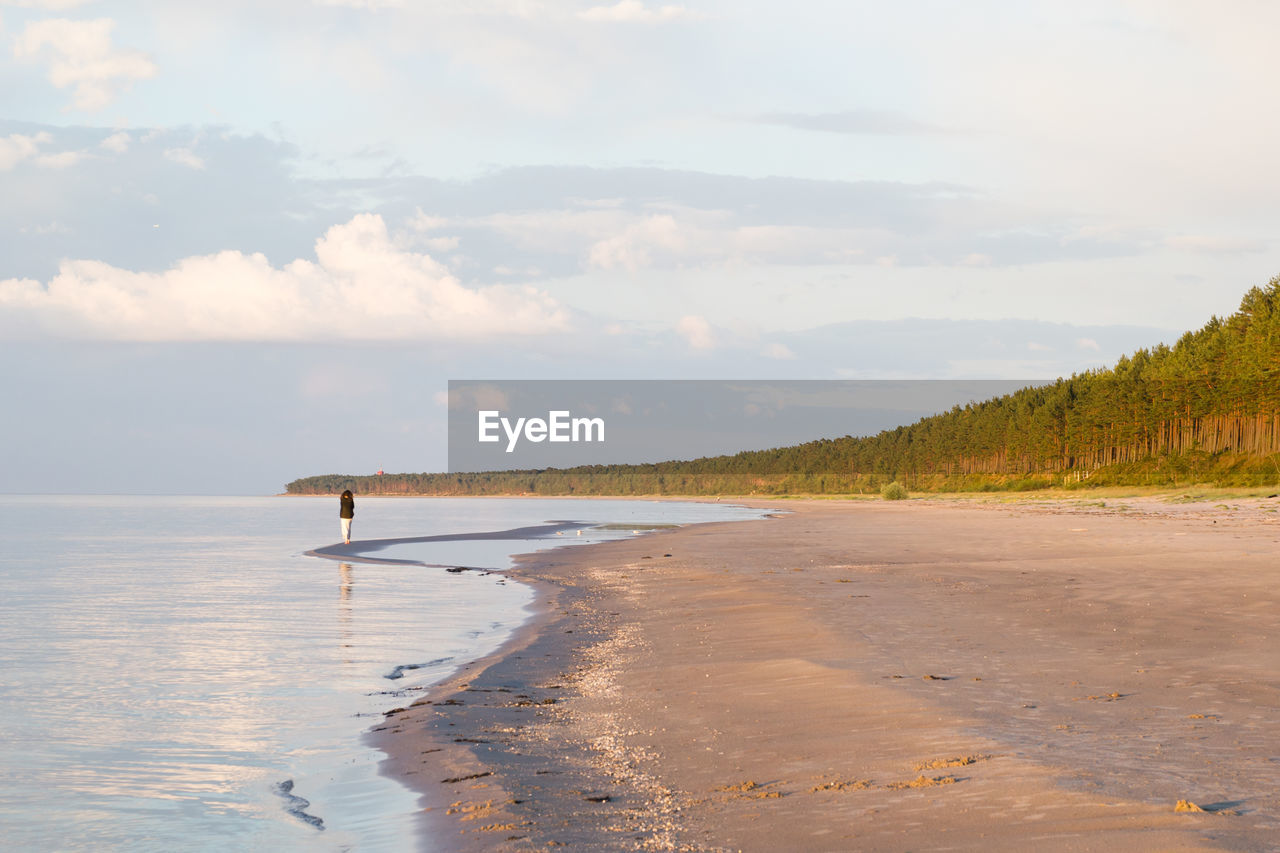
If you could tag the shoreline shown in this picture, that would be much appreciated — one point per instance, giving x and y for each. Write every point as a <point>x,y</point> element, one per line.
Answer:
<point>523,685</point>
<point>728,694</point>
<point>549,537</point>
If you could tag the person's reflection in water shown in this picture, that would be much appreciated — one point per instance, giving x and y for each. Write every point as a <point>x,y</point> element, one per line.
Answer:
<point>346,583</point>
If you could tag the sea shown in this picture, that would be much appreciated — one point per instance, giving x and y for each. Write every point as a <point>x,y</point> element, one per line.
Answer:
<point>176,673</point>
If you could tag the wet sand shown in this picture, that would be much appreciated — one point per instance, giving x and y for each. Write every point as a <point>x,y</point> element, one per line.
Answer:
<point>919,675</point>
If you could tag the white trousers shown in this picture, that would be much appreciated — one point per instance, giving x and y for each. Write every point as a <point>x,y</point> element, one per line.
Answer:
<point>346,529</point>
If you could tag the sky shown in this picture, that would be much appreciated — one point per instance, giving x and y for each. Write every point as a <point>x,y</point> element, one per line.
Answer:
<point>246,242</point>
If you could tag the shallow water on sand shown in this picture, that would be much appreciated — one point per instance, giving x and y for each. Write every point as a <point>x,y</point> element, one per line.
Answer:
<point>175,674</point>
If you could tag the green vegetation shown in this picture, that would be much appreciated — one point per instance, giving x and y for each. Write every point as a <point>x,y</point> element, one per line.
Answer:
<point>894,491</point>
<point>1204,411</point>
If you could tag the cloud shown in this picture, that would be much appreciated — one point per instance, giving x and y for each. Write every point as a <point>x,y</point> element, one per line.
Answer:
<point>60,160</point>
<point>565,220</point>
<point>1067,105</point>
<point>1215,245</point>
<point>443,244</point>
<point>744,252</point>
<point>697,332</point>
<point>360,287</point>
<point>779,351</point>
<point>885,122</point>
<point>635,246</point>
<point>81,57</point>
<point>247,198</point>
<point>117,142</point>
<point>184,157</point>
<point>1088,343</point>
<point>17,147</point>
<point>418,231</point>
<point>633,11</point>
<point>422,222</point>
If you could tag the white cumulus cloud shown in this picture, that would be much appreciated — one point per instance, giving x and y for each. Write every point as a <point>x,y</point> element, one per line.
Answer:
<point>16,147</point>
<point>633,248</point>
<point>697,332</point>
<point>60,160</point>
<point>359,287</point>
<point>117,142</point>
<point>81,57</point>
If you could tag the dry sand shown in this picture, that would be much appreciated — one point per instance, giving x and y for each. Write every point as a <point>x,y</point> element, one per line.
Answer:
<point>918,675</point>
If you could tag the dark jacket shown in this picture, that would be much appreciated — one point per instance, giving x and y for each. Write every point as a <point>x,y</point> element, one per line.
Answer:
<point>347,506</point>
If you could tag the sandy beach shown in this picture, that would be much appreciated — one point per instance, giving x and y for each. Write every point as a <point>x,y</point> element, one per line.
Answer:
<point>865,675</point>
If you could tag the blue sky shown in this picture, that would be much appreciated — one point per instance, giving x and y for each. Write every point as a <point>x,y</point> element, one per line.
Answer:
<point>265,215</point>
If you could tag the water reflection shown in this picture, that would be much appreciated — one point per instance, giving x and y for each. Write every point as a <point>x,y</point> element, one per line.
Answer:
<point>170,662</point>
<point>346,583</point>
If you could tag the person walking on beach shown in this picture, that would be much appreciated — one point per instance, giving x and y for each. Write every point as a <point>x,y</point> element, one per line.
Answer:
<point>346,512</point>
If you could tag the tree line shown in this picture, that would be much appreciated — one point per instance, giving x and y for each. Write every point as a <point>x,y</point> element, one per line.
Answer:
<point>1206,409</point>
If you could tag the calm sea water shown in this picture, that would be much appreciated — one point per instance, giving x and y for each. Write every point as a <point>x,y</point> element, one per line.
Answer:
<point>176,675</point>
